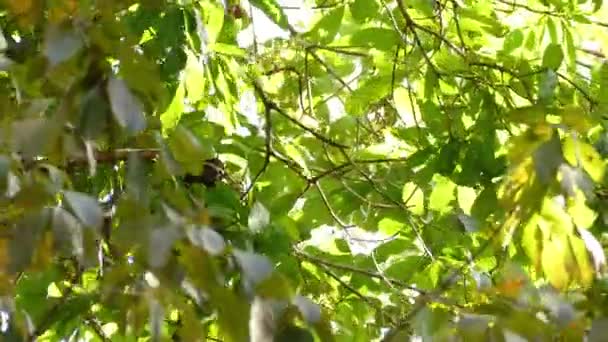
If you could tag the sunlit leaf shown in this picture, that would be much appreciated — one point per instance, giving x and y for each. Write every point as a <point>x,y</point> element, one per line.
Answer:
<point>272,9</point>
<point>442,195</point>
<point>377,38</point>
<point>171,116</point>
<point>413,198</point>
<point>554,264</point>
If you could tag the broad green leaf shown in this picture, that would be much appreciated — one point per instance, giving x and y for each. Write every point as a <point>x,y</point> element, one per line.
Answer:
<point>188,150</point>
<point>530,43</point>
<point>171,116</point>
<point>273,10</point>
<point>552,30</point>
<point>553,56</point>
<point>127,108</point>
<point>213,15</point>
<point>513,40</point>
<point>326,29</point>
<point>425,7</point>
<point>228,50</point>
<point>377,38</point>
<point>442,194</point>
<point>364,10</point>
<point>373,90</point>
<point>194,78</point>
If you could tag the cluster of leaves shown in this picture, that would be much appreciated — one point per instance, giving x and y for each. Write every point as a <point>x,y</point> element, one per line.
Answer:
<point>390,169</point>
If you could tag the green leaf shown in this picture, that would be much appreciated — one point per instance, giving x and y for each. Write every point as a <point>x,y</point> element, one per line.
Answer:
<point>364,10</point>
<point>552,30</point>
<point>373,90</point>
<point>171,116</point>
<point>194,78</point>
<point>188,150</point>
<point>326,29</point>
<point>228,50</point>
<point>553,56</point>
<point>570,46</point>
<point>513,40</point>
<point>127,108</point>
<point>442,194</point>
<point>377,38</point>
<point>213,15</point>
<point>273,10</point>
<point>579,153</point>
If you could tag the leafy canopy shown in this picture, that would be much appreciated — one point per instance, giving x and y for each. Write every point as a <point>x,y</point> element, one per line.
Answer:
<point>387,168</point>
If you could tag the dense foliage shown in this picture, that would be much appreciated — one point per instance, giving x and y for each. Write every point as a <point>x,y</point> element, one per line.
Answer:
<point>370,169</point>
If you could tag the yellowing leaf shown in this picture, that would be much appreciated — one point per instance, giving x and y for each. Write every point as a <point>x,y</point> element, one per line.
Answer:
<point>404,106</point>
<point>527,115</point>
<point>584,272</point>
<point>466,198</point>
<point>574,116</point>
<point>413,198</point>
<point>553,263</point>
<point>579,153</point>
<point>582,215</point>
<point>532,242</point>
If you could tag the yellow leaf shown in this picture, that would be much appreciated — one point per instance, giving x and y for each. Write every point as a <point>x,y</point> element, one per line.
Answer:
<point>527,115</point>
<point>575,117</point>
<point>584,272</point>
<point>553,263</point>
<point>579,153</point>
